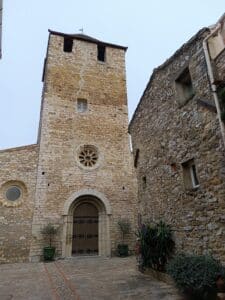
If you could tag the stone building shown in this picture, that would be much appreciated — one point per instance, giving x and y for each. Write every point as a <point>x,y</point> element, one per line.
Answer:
<point>178,144</point>
<point>79,175</point>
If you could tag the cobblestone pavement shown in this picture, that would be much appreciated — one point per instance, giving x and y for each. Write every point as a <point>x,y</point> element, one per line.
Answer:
<point>81,278</point>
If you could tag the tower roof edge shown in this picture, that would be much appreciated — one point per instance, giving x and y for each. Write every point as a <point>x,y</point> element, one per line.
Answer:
<point>86,38</point>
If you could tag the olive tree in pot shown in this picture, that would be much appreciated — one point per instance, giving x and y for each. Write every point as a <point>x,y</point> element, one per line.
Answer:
<point>125,227</point>
<point>49,231</point>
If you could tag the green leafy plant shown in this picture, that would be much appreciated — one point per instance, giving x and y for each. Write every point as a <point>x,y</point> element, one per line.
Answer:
<point>221,94</point>
<point>156,245</point>
<point>49,231</point>
<point>223,116</point>
<point>125,228</point>
<point>195,276</point>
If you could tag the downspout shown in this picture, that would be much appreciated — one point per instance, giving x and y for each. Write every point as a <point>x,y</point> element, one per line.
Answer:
<point>211,78</point>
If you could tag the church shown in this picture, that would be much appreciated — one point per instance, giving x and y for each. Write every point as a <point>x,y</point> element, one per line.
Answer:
<point>81,168</point>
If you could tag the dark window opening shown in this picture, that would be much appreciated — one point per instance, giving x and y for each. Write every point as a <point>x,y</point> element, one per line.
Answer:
<point>82,105</point>
<point>144,181</point>
<point>68,45</point>
<point>136,158</point>
<point>101,53</point>
<point>173,167</point>
<point>184,87</point>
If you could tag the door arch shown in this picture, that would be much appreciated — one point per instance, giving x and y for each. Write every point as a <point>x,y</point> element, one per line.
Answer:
<point>101,203</point>
<point>85,229</point>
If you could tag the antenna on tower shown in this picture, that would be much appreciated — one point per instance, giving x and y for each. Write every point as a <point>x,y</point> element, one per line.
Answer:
<point>81,30</point>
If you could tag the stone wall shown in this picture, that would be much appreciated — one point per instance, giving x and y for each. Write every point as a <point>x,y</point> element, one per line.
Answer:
<point>18,168</point>
<point>168,134</point>
<point>68,77</point>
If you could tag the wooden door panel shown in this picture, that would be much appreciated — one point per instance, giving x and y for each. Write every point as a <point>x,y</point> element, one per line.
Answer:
<point>85,230</point>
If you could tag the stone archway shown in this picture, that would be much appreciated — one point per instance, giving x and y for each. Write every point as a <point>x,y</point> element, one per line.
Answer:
<point>104,211</point>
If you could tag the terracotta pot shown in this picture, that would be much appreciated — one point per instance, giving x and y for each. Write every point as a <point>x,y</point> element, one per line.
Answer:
<point>220,284</point>
<point>190,296</point>
<point>221,296</point>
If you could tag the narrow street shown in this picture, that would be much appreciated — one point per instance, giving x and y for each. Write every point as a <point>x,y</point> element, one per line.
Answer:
<point>81,278</point>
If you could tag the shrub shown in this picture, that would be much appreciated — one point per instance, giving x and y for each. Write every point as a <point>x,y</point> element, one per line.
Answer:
<point>155,245</point>
<point>223,115</point>
<point>49,231</point>
<point>124,226</point>
<point>221,94</point>
<point>195,276</point>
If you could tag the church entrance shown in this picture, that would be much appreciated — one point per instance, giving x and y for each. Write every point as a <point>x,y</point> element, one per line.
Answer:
<point>85,230</point>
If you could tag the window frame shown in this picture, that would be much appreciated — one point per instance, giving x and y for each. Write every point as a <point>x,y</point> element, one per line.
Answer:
<point>184,86</point>
<point>190,176</point>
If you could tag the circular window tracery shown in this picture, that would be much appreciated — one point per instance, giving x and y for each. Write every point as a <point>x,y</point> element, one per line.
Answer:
<point>13,193</point>
<point>88,156</point>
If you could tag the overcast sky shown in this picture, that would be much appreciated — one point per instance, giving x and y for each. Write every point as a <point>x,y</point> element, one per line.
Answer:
<point>152,30</point>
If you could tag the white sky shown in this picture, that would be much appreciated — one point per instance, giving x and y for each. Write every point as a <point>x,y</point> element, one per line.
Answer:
<point>152,30</point>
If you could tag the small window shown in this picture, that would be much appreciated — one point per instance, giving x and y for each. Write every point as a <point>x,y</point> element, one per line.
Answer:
<point>136,158</point>
<point>82,105</point>
<point>101,53</point>
<point>184,87</point>
<point>190,174</point>
<point>144,182</point>
<point>68,45</point>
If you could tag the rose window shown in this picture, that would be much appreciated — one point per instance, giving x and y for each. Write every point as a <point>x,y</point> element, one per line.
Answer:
<point>88,156</point>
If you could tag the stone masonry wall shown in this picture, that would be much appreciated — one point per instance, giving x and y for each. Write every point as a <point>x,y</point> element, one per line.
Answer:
<point>167,134</point>
<point>18,168</point>
<point>70,76</point>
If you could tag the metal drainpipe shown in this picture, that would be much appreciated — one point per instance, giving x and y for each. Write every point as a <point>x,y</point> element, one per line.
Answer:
<point>211,78</point>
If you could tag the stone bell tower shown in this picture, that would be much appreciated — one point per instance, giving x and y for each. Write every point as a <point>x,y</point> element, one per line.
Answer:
<point>85,178</point>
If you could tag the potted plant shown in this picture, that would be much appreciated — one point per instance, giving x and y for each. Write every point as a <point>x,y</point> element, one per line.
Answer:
<point>49,231</point>
<point>195,276</point>
<point>124,226</point>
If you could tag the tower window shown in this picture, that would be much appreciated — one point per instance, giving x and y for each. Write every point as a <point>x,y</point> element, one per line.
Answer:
<point>101,53</point>
<point>190,174</point>
<point>68,44</point>
<point>82,105</point>
<point>144,182</point>
<point>184,87</point>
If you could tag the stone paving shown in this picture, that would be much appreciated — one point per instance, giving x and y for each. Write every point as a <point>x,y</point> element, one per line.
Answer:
<point>81,278</point>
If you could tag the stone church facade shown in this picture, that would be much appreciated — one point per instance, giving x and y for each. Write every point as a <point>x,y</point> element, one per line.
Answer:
<point>81,169</point>
<point>178,144</point>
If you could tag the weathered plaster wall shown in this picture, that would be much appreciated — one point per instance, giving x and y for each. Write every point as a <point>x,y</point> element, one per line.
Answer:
<point>167,135</point>
<point>18,168</point>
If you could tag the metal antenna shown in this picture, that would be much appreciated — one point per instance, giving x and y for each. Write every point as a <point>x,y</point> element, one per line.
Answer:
<point>81,30</point>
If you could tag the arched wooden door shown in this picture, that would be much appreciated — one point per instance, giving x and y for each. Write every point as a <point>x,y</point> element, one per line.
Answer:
<point>85,230</point>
